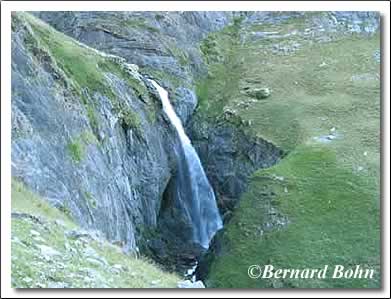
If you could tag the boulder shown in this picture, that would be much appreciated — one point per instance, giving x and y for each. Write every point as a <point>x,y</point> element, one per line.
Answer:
<point>187,284</point>
<point>259,93</point>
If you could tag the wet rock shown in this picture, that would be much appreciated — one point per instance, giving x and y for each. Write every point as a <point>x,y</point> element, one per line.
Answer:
<point>229,157</point>
<point>184,102</point>
<point>57,285</point>
<point>187,284</point>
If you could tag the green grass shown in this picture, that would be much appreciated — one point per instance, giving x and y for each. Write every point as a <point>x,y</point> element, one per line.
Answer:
<point>76,150</point>
<point>220,52</point>
<point>333,219</point>
<point>71,266</point>
<point>85,71</point>
<point>25,201</point>
<point>330,193</point>
<point>164,76</point>
<point>75,60</point>
<point>77,146</point>
<point>138,23</point>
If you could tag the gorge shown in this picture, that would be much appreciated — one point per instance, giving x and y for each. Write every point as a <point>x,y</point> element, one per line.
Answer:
<point>190,190</point>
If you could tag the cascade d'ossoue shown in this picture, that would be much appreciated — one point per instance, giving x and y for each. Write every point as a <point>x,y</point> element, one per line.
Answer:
<point>193,192</point>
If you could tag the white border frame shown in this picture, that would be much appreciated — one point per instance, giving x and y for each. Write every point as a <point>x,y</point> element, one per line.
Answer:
<point>7,7</point>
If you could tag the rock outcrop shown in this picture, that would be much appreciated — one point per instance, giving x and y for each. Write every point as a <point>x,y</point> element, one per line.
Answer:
<point>88,131</point>
<point>107,166</point>
<point>164,44</point>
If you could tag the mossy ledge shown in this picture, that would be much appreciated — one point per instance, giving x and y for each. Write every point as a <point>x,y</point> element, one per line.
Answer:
<point>83,70</point>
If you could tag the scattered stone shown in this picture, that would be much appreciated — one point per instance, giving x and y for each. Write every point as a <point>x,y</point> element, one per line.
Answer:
<point>116,269</point>
<point>39,239</point>
<point>187,284</point>
<point>259,93</point>
<point>18,241</point>
<point>20,215</point>
<point>59,222</point>
<point>94,258</point>
<point>57,285</point>
<point>377,56</point>
<point>69,248</point>
<point>77,235</point>
<point>40,285</point>
<point>48,252</point>
<point>325,138</point>
<point>323,64</point>
<point>279,178</point>
<point>27,280</point>
<point>34,233</point>
<point>285,189</point>
<point>229,111</point>
<point>95,262</point>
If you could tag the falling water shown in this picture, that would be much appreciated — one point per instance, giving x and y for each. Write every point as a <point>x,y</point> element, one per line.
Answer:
<point>194,194</point>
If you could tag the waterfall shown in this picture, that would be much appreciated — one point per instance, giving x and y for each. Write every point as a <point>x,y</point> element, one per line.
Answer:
<point>194,194</point>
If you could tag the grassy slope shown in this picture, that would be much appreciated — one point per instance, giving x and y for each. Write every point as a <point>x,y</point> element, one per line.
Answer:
<point>83,69</point>
<point>31,269</point>
<point>330,192</point>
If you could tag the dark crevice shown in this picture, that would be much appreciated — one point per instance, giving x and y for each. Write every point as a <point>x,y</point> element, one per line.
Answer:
<point>229,158</point>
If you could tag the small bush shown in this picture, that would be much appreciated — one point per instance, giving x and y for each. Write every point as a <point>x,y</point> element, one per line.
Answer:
<point>76,150</point>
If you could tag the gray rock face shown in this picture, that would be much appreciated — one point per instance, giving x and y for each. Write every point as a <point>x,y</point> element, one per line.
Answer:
<point>116,181</point>
<point>187,284</point>
<point>230,157</point>
<point>163,44</point>
<point>108,176</point>
<point>184,102</point>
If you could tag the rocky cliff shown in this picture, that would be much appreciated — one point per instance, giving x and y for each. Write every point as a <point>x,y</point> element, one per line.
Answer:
<point>88,130</point>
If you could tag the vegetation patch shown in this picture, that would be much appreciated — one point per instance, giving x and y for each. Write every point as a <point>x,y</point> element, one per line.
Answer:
<point>46,252</point>
<point>77,146</point>
<point>164,76</point>
<point>333,220</point>
<point>139,23</point>
<point>77,61</point>
<point>324,109</point>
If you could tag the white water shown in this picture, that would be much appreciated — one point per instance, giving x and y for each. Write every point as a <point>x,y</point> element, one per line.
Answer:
<point>194,194</point>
